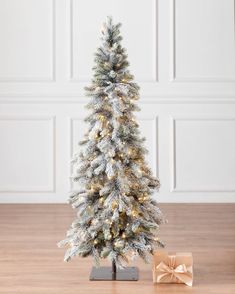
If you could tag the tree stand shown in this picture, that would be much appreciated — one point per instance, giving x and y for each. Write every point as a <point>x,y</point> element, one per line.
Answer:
<point>105,273</point>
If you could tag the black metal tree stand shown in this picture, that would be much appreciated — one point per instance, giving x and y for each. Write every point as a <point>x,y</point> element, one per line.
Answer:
<point>105,273</point>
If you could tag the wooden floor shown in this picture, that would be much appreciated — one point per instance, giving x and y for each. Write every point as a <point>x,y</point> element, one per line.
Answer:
<point>31,263</point>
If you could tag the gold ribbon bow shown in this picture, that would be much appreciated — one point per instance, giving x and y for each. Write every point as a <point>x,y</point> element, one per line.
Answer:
<point>174,274</point>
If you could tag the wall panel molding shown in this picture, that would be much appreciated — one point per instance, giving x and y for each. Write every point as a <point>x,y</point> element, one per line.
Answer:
<point>50,188</point>
<point>173,66</point>
<point>145,99</point>
<point>52,75</point>
<point>173,169</point>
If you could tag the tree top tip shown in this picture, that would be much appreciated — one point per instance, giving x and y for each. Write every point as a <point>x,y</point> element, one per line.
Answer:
<point>109,24</point>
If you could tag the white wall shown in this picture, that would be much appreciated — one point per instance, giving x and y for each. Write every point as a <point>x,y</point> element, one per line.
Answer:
<point>182,53</point>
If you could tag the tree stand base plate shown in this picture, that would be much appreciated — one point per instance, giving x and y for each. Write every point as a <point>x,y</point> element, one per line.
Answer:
<point>105,273</point>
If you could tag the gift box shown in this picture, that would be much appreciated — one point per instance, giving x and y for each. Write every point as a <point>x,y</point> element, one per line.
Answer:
<point>173,268</point>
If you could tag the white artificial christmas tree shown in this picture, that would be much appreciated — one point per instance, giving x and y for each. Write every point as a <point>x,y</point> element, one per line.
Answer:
<point>116,216</point>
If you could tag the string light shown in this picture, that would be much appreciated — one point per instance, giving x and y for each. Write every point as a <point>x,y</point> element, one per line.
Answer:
<point>105,133</point>
<point>95,221</point>
<point>109,237</point>
<point>95,241</point>
<point>134,213</point>
<point>123,235</point>
<point>141,199</point>
<point>139,171</point>
<point>109,222</point>
<point>114,205</point>
<point>96,136</point>
<point>101,117</point>
<point>71,244</point>
<point>129,151</point>
<point>102,29</point>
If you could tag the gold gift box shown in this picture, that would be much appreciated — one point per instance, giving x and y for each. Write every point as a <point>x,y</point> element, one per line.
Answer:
<point>173,267</point>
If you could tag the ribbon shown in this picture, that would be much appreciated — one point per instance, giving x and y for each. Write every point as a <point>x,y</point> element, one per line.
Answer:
<point>174,274</point>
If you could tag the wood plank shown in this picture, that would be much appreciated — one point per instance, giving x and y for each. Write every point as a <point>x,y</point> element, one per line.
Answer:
<point>31,262</point>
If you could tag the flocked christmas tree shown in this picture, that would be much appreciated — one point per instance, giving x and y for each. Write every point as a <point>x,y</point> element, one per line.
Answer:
<point>116,216</point>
